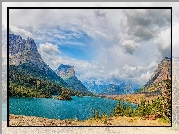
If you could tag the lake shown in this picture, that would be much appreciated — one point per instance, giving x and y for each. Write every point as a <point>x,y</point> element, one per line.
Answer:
<point>79,107</point>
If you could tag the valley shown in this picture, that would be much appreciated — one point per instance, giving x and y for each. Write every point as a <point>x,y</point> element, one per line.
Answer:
<point>31,79</point>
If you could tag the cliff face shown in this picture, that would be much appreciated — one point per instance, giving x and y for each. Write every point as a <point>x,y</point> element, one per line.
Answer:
<point>162,72</point>
<point>67,72</point>
<point>24,53</point>
<point>159,78</point>
<point>29,75</point>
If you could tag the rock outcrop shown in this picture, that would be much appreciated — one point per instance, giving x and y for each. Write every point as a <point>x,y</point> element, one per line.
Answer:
<point>159,78</point>
<point>162,72</point>
<point>67,72</point>
<point>24,52</point>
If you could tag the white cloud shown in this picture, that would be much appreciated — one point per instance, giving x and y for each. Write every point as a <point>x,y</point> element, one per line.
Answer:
<point>129,46</point>
<point>136,78</point>
<point>139,74</point>
<point>84,69</point>
<point>117,36</point>
<point>141,25</point>
<point>145,77</point>
<point>128,68</point>
<point>49,48</point>
<point>152,66</point>
<point>163,42</point>
<point>20,31</point>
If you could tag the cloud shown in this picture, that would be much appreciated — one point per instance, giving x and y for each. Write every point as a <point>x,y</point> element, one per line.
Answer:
<point>163,42</point>
<point>117,77</point>
<point>152,66</point>
<point>95,23</point>
<point>118,41</point>
<point>145,77</point>
<point>53,57</point>
<point>49,48</point>
<point>131,74</point>
<point>144,24</point>
<point>128,68</point>
<point>129,46</point>
<point>20,31</point>
<point>141,25</point>
<point>50,54</point>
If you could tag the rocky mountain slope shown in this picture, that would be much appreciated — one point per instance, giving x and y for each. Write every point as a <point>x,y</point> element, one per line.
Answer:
<point>162,72</point>
<point>67,72</point>
<point>158,78</point>
<point>29,75</point>
<point>23,51</point>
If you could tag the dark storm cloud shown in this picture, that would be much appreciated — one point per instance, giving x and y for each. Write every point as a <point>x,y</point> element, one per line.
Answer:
<point>142,25</point>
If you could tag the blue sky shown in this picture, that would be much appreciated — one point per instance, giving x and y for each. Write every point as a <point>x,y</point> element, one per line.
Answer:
<point>71,43</point>
<point>106,46</point>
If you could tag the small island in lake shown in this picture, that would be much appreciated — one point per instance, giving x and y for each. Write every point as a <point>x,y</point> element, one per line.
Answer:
<point>65,95</point>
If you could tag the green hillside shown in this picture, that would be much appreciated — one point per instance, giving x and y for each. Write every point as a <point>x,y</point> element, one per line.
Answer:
<point>28,81</point>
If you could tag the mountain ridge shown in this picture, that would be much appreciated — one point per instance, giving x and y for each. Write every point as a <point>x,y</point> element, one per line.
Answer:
<point>67,73</point>
<point>158,78</point>
<point>109,89</point>
<point>30,75</point>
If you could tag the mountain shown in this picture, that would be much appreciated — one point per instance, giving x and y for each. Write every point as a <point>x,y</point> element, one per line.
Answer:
<point>24,53</point>
<point>94,88</point>
<point>118,89</point>
<point>29,75</point>
<point>67,72</point>
<point>162,72</point>
<point>159,77</point>
<point>109,89</point>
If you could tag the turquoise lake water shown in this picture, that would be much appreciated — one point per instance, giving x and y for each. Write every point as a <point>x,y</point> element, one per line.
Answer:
<point>79,107</point>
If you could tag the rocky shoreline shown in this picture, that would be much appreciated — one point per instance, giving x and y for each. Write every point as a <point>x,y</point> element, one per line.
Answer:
<point>21,120</point>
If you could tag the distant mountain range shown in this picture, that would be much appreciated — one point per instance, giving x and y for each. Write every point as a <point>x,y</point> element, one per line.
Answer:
<point>28,69</point>
<point>154,85</point>
<point>110,89</point>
